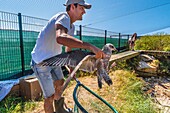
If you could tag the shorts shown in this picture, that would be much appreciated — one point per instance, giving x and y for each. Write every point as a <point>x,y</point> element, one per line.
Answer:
<point>46,76</point>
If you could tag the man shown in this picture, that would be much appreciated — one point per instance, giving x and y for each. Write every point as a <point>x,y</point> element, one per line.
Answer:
<point>56,33</point>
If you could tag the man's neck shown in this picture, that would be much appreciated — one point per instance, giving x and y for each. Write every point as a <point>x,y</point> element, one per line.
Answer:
<point>71,15</point>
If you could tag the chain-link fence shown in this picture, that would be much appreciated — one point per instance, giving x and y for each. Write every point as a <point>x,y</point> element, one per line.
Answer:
<point>18,34</point>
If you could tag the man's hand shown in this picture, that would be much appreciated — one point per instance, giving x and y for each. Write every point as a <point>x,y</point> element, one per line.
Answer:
<point>99,53</point>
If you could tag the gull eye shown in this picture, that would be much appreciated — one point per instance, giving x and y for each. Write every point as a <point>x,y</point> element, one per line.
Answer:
<point>111,46</point>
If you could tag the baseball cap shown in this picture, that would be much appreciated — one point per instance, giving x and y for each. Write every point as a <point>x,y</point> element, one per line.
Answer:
<point>80,2</point>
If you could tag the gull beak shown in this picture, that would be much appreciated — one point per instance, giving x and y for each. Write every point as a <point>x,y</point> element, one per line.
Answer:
<point>114,50</point>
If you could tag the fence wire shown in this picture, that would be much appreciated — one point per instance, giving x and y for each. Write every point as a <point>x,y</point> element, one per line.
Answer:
<point>18,34</point>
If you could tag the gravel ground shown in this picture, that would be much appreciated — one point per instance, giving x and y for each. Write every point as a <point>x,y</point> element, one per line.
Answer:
<point>159,89</point>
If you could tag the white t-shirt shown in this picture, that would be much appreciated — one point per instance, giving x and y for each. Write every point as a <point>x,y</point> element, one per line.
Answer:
<point>46,44</point>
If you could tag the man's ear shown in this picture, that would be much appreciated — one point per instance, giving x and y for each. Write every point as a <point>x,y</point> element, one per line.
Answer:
<point>72,6</point>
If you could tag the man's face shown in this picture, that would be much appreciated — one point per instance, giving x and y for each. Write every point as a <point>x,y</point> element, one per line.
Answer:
<point>79,12</point>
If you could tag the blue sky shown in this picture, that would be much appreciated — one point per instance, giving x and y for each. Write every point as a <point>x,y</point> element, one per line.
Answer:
<point>124,16</point>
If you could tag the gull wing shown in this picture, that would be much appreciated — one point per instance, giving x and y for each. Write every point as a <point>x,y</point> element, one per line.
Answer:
<point>71,58</point>
<point>88,64</point>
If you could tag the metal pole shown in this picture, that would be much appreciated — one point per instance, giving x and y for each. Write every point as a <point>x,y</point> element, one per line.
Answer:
<point>119,42</point>
<point>21,43</point>
<point>80,32</point>
<point>105,37</point>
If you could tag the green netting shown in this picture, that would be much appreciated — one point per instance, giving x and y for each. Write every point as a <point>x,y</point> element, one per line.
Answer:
<point>10,46</point>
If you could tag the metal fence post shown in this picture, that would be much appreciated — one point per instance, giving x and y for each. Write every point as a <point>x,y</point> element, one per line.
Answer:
<point>105,37</point>
<point>21,43</point>
<point>80,32</point>
<point>119,42</point>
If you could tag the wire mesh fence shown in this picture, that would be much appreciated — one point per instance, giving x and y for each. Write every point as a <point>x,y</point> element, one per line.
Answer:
<point>15,60</point>
<point>18,34</point>
<point>9,45</point>
<point>31,27</point>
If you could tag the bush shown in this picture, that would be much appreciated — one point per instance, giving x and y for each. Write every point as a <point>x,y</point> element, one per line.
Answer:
<point>157,42</point>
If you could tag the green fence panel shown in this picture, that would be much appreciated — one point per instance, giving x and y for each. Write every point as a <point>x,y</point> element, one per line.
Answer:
<point>10,36</point>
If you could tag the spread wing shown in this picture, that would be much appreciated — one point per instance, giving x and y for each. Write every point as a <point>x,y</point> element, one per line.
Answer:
<point>78,59</point>
<point>73,58</point>
<point>88,64</point>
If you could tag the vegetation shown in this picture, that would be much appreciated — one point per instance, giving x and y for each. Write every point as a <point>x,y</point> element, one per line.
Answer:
<point>158,42</point>
<point>13,104</point>
<point>130,97</point>
<point>125,95</point>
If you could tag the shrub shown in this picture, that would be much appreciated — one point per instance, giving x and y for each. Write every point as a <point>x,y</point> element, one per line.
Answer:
<point>155,42</point>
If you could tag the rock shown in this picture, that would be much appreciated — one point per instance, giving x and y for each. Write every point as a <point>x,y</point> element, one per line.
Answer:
<point>148,64</point>
<point>145,67</point>
<point>146,58</point>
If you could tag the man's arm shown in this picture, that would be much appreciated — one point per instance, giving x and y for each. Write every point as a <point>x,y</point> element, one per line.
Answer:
<point>67,49</point>
<point>63,38</point>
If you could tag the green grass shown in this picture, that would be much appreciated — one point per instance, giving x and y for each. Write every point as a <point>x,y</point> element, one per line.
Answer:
<point>125,95</point>
<point>131,98</point>
<point>14,104</point>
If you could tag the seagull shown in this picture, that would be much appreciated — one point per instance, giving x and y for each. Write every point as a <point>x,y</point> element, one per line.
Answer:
<point>85,61</point>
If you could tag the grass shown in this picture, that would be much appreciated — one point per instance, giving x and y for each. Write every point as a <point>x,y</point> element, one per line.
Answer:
<point>131,98</point>
<point>125,95</point>
<point>13,104</point>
